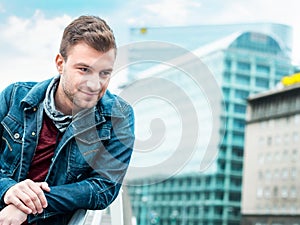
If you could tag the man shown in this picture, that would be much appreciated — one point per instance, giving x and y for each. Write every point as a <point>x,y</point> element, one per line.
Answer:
<point>66,142</point>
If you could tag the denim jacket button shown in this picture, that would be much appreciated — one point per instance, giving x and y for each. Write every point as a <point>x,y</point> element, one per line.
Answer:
<point>34,109</point>
<point>33,133</point>
<point>16,135</point>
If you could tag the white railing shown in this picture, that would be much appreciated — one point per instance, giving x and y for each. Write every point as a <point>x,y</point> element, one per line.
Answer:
<point>116,214</point>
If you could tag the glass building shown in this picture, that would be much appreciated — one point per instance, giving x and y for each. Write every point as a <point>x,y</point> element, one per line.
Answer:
<point>244,59</point>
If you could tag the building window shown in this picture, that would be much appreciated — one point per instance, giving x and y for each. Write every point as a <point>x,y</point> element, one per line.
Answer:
<point>268,175</point>
<point>293,192</point>
<point>259,192</point>
<point>284,192</point>
<point>236,167</point>
<point>269,141</point>
<point>227,77</point>
<point>207,181</point>
<point>219,195</point>
<point>282,71</point>
<point>285,154</point>
<point>262,82</point>
<point>237,152</point>
<point>294,154</point>
<point>243,66</point>
<point>263,69</point>
<point>277,156</point>
<point>285,173</point>
<point>275,192</point>
<point>234,197</point>
<point>268,157</point>
<point>276,174</point>
<point>241,94</point>
<point>238,124</point>
<point>226,93</point>
<point>238,138</point>
<point>228,63</point>
<point>267,193</point>
<point>293,172</point>
<point>295,136</point>
<point>239,108</point>
<point>286,139</point>
<point>243,80</point>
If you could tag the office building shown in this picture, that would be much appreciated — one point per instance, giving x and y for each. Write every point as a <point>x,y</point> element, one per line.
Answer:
<point>271,191</point>
<point>244,60</point>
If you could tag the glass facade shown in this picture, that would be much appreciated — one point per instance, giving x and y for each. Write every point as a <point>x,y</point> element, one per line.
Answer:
<point>251,63</point>
<point>193,37</point>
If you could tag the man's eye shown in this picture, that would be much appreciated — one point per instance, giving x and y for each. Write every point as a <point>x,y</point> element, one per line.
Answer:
<point>83,69</point>
<point>105,73</point>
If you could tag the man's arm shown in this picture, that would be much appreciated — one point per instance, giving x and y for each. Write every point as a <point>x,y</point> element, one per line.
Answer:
<point>104,182</point>
<point>28,196</point>
<point>12,215</point>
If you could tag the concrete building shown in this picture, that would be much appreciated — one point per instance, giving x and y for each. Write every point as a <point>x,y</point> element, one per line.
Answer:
<point>244,61</point>
<point>271,191</point>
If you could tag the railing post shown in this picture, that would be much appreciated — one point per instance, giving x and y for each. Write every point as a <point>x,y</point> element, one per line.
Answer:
<point>116,210</point>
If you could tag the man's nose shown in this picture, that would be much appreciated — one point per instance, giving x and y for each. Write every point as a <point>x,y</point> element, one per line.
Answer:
<point>93,82</point>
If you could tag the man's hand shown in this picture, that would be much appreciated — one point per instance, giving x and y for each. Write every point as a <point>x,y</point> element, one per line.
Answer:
<point>28,196</point>
<point>11,215</point>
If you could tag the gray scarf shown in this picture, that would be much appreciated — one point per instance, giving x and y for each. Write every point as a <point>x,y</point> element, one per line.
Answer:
<point>60,120</point>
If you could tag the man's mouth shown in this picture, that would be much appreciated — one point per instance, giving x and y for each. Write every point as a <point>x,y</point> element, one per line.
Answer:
<point>90,93</point>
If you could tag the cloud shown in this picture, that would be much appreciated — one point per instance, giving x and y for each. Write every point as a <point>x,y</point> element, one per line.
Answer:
<point>29,46</point>
<point>172,11</point>
<point>185,13</point>
<point>163,12</point>
<point>36,35</point>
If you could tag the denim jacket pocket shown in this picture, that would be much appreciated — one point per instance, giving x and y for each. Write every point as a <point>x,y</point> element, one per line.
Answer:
<point>94,135</point>
<point>11,145</point>
<point>86,150</point>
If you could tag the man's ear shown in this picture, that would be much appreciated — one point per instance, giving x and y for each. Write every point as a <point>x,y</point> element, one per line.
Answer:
<point>59,61</point>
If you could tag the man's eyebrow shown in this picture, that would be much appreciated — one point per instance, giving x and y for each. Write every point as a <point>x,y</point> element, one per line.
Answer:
<point>83,64</point>
<point>91,67</point>
<point>108,69</point>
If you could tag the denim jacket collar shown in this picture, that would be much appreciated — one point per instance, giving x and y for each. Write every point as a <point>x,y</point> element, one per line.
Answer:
<point>111,108</point>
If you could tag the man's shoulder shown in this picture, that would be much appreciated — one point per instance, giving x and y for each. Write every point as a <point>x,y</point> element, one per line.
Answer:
<point>114,105</point>
<point>22,85</point>
<point>25,91</point>
<point>26,85</point>
<point>17,89</point>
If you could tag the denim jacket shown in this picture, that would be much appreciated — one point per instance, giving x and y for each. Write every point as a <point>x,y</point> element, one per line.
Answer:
<point>89,162</point>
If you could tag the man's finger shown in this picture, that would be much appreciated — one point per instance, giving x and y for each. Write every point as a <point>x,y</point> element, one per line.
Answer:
<point>44,186</point>
<point>38,197</point>
<point>20,205</point>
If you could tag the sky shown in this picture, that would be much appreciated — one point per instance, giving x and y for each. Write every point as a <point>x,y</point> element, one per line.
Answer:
<point>31,29</point>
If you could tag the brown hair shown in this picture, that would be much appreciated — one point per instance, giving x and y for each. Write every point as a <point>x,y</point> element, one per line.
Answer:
<point>92,30</point>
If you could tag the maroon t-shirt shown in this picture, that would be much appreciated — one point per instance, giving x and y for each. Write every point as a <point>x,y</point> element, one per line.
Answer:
<point>44,152</point>
<point>48,140</point>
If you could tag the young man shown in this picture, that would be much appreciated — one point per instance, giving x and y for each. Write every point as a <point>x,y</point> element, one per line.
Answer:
<point>65,142</point>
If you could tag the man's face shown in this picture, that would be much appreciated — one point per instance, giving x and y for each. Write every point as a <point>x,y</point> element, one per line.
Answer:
<point>84,77</point>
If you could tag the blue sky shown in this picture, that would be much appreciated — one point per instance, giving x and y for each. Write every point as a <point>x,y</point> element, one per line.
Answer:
<point>31,30</point>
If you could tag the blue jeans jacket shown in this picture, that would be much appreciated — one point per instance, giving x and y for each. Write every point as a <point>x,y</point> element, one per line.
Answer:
<point>89,162</point>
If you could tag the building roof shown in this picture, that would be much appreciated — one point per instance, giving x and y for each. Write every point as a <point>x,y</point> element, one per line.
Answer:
<point>276,91</point>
